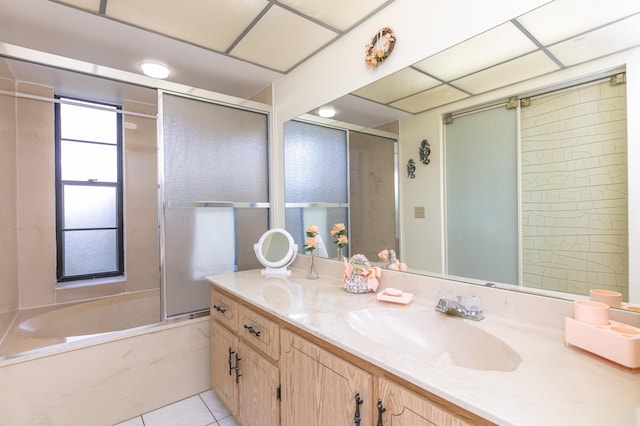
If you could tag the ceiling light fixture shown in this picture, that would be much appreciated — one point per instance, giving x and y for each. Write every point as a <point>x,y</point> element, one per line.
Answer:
<point>155,70</point>
<point>327,111</point>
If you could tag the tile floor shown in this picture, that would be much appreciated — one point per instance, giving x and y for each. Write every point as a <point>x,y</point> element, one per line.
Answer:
<point>204,409</point>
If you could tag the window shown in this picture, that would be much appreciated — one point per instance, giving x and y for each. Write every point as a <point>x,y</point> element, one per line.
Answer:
<point>89,214</point>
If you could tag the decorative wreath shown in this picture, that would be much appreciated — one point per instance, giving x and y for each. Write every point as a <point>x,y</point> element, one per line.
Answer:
<point>380,47</point>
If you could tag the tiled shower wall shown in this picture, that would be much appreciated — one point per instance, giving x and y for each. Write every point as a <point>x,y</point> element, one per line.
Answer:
<point>574,190</point>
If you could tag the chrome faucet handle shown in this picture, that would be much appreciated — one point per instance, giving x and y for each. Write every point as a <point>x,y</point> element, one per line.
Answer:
<point>472,304</point>
<point>473,308</point>
<point>443,305</point>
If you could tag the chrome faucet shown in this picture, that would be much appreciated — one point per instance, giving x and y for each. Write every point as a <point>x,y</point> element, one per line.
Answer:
<point>470,310</point>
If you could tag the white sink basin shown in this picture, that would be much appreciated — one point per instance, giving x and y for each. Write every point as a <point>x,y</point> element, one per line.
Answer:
<point>435,336</point>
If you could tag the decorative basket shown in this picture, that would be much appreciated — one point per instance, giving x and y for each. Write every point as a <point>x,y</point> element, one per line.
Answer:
<point>359,275</point>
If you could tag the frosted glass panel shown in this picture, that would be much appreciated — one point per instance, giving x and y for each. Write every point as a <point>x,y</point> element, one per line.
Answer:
<point>89,207</point>
<point>199,242</point>
<point>90,252</point>
<point>211,153</point>
<point>214,152</point>
<point>315,163</point>
<point>84,161</point>
<point>88,124</point>
<point>252,223</point>
<point>481,192</point>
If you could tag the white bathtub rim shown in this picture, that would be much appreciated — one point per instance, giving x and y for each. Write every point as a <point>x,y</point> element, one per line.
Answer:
<point>99,339</point>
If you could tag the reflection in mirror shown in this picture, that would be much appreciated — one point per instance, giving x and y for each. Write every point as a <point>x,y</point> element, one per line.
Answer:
<point>319,162</point>
<point>523,58</point>
<point>275,251</point>
<point>275,247</point>
<point>549,183</point>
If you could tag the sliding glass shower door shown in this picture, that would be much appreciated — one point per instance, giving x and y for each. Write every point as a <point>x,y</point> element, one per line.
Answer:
<point>482,195</point>
<point>215,201</point>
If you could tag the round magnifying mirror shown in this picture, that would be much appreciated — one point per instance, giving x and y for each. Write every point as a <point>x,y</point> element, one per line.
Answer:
<point>276,250</point>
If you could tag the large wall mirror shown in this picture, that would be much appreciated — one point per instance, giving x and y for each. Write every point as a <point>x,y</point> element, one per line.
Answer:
<point>540,77</point>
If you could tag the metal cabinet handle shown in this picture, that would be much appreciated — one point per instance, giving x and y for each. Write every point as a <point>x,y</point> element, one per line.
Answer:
<point>356,417</point>
<point>231,352</point>
<point>381,410</point>
<point>237,367</point>
<point>219,309</point>
<point>251,330</point>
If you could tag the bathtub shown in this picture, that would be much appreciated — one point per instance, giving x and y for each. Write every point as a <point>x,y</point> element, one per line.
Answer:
<point>70,365</point>
<point>37,328</point>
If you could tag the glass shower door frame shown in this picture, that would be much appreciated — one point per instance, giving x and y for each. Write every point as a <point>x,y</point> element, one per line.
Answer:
<point>165,205</point>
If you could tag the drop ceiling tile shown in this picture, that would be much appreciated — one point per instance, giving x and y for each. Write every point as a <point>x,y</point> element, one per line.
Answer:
<point>397,86</point>
<point>429,99</point>
<point>90,5</point>
<point>354,110</point>
<point>338,14</point>
<point>610,39</point>
<point>281,39</point>
<point>211,24</point>
<point>562,19</point>
<point>519,69</point>
<point>480,52</point>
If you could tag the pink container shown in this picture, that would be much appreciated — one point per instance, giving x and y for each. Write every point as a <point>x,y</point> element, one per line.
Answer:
<point>609,297</point>
<point>591,312</point>
<point>617,342</point>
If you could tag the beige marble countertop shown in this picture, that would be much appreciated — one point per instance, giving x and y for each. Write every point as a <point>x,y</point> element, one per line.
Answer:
<point>552,385</point>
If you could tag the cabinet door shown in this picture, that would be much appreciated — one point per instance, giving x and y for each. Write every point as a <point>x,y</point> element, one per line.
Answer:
<point>319,388</point>
<point>405,408</point>
<point>258,389</point>
<point>223,360</point>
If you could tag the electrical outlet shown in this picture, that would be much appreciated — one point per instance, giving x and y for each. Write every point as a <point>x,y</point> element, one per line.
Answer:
<point>419,212</point>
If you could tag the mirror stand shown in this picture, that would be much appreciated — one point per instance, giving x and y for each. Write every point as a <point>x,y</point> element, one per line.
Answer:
<point>275,251</point>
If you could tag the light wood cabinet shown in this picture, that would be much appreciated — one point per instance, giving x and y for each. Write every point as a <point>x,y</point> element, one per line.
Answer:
<point>244,378</point>
<point>262,333</point>
<point>224,310</point>
<point>257,389</point>
<point>405,408</point>
<point>257,359</point>
<point>224,345</point>
<point>318,388</point>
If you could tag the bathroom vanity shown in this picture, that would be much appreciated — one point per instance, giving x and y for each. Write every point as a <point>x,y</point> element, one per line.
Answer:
<point>291,351</point>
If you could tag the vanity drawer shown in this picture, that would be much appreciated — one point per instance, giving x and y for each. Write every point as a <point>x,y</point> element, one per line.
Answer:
<point>224,310</point>
<point>260,332</point>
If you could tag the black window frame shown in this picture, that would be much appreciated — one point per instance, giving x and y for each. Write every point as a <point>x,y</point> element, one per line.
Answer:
<point>59,192</point>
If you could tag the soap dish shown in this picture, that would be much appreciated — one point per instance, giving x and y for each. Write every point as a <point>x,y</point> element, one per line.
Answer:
<point>615,341</point>
<point>395,296</point>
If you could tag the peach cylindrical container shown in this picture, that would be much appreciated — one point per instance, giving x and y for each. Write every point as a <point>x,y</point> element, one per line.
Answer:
<point>609,297</point>
<point>591,312</point>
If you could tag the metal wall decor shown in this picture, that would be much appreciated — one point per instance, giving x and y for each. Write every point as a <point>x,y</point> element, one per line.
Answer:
<point>425,151</point>
<point>411,168</point>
